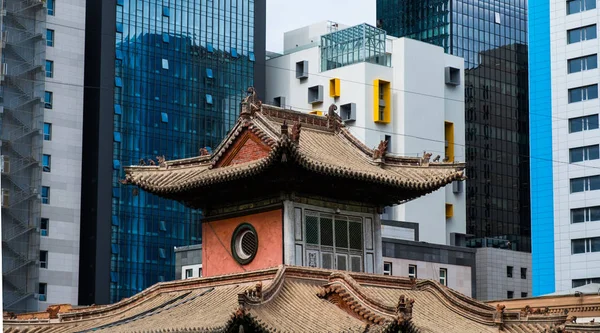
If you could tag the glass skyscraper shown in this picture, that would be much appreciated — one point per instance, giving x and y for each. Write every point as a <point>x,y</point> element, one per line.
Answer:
<point>163,78</point>
<point>492,38</point>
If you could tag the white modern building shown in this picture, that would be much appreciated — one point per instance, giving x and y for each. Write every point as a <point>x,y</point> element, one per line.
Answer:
<point>404,91</point>
<point>62,155</point>
<point>565,141</point>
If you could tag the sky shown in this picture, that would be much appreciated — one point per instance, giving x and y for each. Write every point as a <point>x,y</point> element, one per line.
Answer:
<point>286,15</point>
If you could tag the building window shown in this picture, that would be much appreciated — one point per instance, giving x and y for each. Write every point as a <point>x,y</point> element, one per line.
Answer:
<point>523,295</point>
<point>523,273</point>
<point>509,271</point>
<point>510,294</point>
<point>46,195</point>
<point>584,153</point>
<point>581,34</point>
<point>302,69</point>
<point>251,56</point>
<point>209,99</point>
<point>162,253</point>
<point>234,53</point>
<point>412,271</point>
<point>189,273</point>
<point>582,63</point>
<point>200,272</point>
<point>43,259</point>
<point>165,64</point>
<point>582,184</point>
<point>50,6</point>
<point>583,123</point>
<point>449,141</point>
<point>42,287</point>
<point>166,11</point>
<point>334,87</point>
<point>315,94</point>
<point>49,68</point>
<point>348,112</point>
<point>244,243</point>
<point>576,6</point>
<point>582,282</point>
<point>46,163</point>
<point>49,37</point>
<point>47,131</point>
<point>382,93</point>
<point>48,99</point>
<point>583,93</point>
<point>44,226</point>
<point>333,241</point>
<point>387,268</point>
<point>585,245</point>
<point>444,276</point>
<point>586,214</point>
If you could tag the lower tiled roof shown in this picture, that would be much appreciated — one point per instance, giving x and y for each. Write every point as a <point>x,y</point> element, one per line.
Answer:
<point>298,299</point>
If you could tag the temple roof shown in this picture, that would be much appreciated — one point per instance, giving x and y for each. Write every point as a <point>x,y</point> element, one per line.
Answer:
<point>295,299</point>
<point>317,144</point>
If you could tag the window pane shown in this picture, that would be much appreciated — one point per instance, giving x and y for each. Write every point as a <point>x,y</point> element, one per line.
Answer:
<point>592,62</point>
<point>576,155</point>
<point>595,244</point>
<point>312,230</point>
<point>341,233</point>
<point>573,6</point>
<point>326,231</point>
<point>592,122</point>
<point>589,4</point>
<point>355,235</point>
<point>578,283</point>
<point>578,246</point>
<point>592,92</point>
<point>574,65</point>
<point>594,183</point>
<point>578,215</point>
<point>594,213</point>
<point>575,95</point>
<point>573,36</point>
<point>575,125</point>
<point>590,32</point>
<point>577,185</point>
<point>593,152</point>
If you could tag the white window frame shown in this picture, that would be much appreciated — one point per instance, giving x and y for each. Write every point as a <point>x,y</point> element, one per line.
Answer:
<point>413,274</point>
<point>444,276</point>
<point>389,270</point>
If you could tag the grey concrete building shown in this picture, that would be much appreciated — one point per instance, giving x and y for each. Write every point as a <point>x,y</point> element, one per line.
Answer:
<point>502,274</point>
<point>62,152</point>
<point>188,261</point>
<point>405,255</point>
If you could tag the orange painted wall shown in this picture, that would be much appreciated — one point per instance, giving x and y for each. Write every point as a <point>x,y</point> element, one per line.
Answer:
<point>216,243</point>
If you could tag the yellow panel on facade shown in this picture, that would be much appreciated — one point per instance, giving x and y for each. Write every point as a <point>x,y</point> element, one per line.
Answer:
<point>316,112</point>
<point>449,210</point>
<point>449,138</point>
<point>382,101</point>
<point>334,88</point>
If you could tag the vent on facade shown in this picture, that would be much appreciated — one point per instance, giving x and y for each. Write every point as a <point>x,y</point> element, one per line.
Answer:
<point>348,112</point>
<point>279,101</point>
<point>457,186</point>
<point>452,75</point>
<point>315,94</point>
<point>302,69</point>
<point>5,198</point>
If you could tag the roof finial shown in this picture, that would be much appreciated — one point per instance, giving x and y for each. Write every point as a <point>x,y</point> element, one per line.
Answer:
<point>284,128</point>
<point>380,151</point>
<point>251,104</point>
<point>296,132</point>
<point>334,121</point>
<point>425,159</point>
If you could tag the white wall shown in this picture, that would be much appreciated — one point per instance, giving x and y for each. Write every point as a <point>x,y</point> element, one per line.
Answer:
<point>421,103</point>
<point>195,271</point>
<point>459,277</point>
<point>491,273</point>
<point>64,180</point>
<point>568,266</point>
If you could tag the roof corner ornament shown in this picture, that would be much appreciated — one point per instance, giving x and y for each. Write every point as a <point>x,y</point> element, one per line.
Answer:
<point>499,316</point>
<point>142,162</point>
<point>203,151</point>
<point>251,104</point>
<point>161,161</point>
<point>284,137</point>
<point>404,310</point>
<point>413,283</point>
<point>436,159</point>
<point>255,291</point>
<point>296,128</point>
<point>425,159</point>
<point>334,121</point>
<point>380,151</point>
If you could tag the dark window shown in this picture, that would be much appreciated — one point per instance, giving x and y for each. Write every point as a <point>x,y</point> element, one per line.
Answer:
<point>582,63</point>
<point>49,68</point>
<point>46,163</point>
<point>189,273</point>
<point>444,276</point>
<point>576,6</point>
<point>46,195</point>
<point>48,99</point>
<point>523,273</point>
<point>583,123</point>
<point>582,282</point>
<point>43,259</point>
<point>582,184</point>
<point>578,246</point>
<point>47,131</point>
<point>44,226</point>
<point>50,6</point>
<point>586,214</point>
<point>42,287</point>
<point>510,294</point>
<point>49,37</point>
<point>509,271</point>
<point>584,153</point>
<point>523,295</point>
<point>581,34</point>
<point>412,271</point>
<point>583,93</point>
<point>387,268</point>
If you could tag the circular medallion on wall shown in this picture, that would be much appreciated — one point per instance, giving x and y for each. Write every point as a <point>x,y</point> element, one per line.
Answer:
<point>244,243</point>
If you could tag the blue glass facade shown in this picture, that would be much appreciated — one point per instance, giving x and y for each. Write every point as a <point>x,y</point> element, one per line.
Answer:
<point>179,71</point>
<point>492,38</point>
<point>540,98</point>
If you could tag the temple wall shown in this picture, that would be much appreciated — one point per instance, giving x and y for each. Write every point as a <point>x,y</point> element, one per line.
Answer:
<point>217,258</point>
